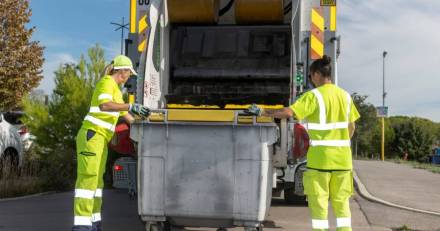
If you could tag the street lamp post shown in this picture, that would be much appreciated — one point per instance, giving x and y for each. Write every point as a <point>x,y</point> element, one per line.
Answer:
<point>384,94</point>
<point>121,27</point>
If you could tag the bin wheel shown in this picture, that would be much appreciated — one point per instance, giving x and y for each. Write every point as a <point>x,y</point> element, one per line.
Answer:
<point>132,194</point>
<point>260,228</point>
<point>157,226</point>
<point>291,198</point>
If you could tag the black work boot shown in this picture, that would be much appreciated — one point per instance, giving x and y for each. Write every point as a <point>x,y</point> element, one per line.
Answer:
<point>82,228</point>
<point>97,226</point>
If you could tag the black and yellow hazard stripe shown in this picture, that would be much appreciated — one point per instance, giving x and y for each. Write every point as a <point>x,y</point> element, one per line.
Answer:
<point>142,31</point>
<point>317,33</point>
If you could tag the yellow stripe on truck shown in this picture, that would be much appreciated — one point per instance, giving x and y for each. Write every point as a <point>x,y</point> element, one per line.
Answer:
<point>201,115</point>
<point>228,106</point>
<point>333,18</point>
<point>133,16</point>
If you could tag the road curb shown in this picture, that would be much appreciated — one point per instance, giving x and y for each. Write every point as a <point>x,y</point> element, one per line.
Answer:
<point>26,197</point>
<point>365,194</point>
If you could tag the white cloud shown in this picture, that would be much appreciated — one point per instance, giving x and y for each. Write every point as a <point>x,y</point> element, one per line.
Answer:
<point>406,29</point>
<point>54,60</point>
<point>51,64</point>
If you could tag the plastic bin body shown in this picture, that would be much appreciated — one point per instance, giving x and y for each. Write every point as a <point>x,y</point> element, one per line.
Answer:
<point>204,175</point>
<point>436,159</point>
<point>126,177</point>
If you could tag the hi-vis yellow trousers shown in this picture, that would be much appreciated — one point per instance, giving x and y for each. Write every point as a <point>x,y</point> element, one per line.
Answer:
<point>92,157</point>
<point>320,186</point>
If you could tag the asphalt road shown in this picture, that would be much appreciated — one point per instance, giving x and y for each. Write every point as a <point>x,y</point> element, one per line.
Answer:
<point>403,185</point>
<point>54,213</point>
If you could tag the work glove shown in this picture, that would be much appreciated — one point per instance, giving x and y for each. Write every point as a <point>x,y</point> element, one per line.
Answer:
<point>253,110</point>
<point>139,109</point>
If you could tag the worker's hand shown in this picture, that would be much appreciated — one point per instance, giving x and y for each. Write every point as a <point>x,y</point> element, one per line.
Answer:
<point>139,109</point>
<point>254,110</point>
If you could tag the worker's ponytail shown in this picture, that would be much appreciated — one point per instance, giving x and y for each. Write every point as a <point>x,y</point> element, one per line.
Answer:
<point>323,66</point>
<point>108,70</point>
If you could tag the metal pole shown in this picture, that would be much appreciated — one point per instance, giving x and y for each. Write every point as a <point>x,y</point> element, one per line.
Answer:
<point>122,35</point>
<point>121,27</point>
<point>384,54</point>
<point>383,140</point>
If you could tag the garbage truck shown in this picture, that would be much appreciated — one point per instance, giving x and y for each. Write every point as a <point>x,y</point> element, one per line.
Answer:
<point>201,161</point>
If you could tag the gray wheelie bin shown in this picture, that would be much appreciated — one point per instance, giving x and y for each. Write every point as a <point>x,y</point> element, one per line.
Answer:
<point>194,174</point>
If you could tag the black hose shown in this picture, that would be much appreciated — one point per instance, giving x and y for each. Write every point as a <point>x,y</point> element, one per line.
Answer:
<point>282,176</point>
<point>226,8</point>
<point>288,8</point>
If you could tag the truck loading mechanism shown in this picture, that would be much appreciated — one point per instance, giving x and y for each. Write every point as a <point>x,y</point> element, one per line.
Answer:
<point>202,62</point>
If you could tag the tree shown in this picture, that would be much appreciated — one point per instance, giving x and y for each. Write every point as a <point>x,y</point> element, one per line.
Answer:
<point>414,136</point>
<point>21,59</point>
<point>57,124</point>
<point>364,126</point>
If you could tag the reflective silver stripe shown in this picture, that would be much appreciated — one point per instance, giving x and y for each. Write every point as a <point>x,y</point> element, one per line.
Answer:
<point>82,220</point>
<point>105,96</point>
<point>100,123</point>
<point>343,222</point>
<point>319,224</point>
<point>84,193</point>
<point>329,126</point>
<point>96,217</point>
<point>97,110</point>
<point>322,112</point>
<point>122,67</point>
<point>98,192</point>
<point>332,143</point>
<point>348,106</point>
<point>322,125</point>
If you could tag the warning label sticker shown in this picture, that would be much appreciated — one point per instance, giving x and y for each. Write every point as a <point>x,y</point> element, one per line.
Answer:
<point>328,2</point>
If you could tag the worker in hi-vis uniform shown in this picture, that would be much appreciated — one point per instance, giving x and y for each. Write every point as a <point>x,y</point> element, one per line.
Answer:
<point>330,117</point>
<point>92,139</point>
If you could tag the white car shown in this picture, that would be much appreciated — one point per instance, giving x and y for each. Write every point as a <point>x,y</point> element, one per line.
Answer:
<point>11,146</point>
<point>14,118</point>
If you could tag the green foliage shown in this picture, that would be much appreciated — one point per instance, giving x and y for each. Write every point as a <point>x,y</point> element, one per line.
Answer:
<point>364,133</point>
<point>21,58</point>
<point>414,136</point>
<point>55,125</point>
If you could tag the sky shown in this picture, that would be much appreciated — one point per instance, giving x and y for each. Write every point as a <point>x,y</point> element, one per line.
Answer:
<point>404,28</point>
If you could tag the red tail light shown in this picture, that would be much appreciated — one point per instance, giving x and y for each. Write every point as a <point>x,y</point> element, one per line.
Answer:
<point>118,168</point>
<point>23,130</point>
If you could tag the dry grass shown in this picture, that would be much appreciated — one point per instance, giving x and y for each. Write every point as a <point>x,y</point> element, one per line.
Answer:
<point>25,180</point>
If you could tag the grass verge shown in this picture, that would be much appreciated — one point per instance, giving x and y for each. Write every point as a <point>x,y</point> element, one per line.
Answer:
<point>426,166</point>
<point>22,181</point>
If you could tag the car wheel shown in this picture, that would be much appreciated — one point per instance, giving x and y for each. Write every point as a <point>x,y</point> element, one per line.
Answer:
<point>9,162</point>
